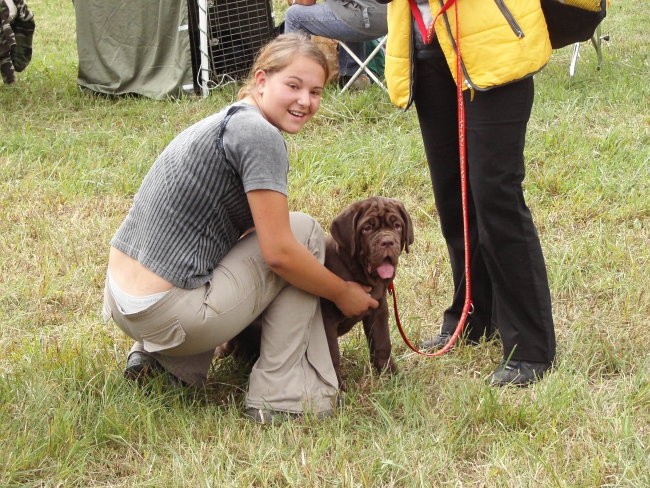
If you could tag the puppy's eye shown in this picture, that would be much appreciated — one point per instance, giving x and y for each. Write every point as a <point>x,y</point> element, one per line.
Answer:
<point>397,226</point>
<point>366,228</point>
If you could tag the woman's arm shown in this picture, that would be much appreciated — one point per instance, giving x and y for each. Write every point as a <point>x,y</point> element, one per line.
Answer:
<point>293,261</point>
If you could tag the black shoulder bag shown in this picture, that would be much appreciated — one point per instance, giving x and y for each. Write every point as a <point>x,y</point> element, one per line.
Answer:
<point>571,21</point>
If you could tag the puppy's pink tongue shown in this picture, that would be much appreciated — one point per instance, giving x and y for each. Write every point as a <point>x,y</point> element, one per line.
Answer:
<point>386,271</point>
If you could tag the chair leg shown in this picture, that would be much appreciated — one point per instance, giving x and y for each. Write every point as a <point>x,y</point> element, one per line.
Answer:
<point>574,59</point>
<point>363,65</point>
<point>597,42</point>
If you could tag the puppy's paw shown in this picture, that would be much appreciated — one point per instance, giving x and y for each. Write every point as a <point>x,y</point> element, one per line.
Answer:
<point>386,367</point>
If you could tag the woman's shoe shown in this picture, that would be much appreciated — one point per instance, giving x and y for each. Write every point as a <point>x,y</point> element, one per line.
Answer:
<point>437,342</point>
<point>140,365</point>
<point>517,373</point>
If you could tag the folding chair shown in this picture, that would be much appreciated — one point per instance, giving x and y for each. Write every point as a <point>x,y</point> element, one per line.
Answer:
<point>363,65</point>
<point>596,41</point>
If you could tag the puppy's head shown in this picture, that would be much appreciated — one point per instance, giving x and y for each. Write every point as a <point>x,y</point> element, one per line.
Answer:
<point>374,231</point>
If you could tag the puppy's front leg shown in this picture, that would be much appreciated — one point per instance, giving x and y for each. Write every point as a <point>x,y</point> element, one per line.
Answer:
<point>375,325</point>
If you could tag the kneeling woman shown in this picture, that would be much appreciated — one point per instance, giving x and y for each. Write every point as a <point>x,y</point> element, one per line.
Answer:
<point>209,246</point>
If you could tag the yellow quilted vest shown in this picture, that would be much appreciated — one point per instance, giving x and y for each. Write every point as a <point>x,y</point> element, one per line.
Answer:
<point>500,40</point>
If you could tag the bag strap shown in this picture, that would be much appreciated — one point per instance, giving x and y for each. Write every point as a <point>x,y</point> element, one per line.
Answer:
<point>231,111</point>
<point>427,33</point>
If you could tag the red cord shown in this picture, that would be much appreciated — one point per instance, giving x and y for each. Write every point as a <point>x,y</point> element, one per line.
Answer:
<point>462,153</point>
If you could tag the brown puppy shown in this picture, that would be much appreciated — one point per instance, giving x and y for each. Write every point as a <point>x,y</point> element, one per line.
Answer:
<point>366,241</point>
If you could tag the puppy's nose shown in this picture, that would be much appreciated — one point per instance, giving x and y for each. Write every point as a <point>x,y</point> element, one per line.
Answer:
<point>388,242</point>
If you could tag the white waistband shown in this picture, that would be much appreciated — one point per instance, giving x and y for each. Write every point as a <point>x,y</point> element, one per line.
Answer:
<point>128,303</point>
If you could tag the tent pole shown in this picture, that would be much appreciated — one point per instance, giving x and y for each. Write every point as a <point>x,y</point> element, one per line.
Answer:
<point>203,46</point>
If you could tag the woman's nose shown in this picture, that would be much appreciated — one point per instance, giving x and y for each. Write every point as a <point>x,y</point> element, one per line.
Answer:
<point>303,97</point>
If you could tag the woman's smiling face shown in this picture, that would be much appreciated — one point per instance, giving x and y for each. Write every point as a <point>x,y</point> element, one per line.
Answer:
<point>290,97</point>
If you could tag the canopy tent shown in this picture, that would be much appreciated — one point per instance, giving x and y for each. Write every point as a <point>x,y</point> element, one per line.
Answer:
<point>140,47</point>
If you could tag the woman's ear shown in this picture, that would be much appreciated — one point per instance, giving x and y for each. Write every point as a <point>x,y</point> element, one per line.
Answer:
<point>260,80</point>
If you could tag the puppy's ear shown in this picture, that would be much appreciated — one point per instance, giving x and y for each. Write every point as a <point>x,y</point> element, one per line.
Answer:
<point>407,230</point>
<point>343,227</point>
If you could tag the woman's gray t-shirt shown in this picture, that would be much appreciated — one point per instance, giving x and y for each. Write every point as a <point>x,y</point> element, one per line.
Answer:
<point>191,207</point>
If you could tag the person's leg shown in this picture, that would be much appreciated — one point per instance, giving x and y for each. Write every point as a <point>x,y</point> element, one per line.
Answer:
<point>319,20</point>
<point>182,330</point>
<point>294,372</point>
<point>435,102</point>
<point>496,132</point>
<point>347,65</point>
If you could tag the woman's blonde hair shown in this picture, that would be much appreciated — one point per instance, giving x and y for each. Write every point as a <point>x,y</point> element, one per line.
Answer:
<point>280,53</point>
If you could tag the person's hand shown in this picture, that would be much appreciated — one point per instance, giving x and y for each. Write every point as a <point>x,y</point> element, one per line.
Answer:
<point>355,300</point>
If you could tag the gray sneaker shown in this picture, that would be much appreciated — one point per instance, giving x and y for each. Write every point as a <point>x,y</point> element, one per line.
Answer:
<point>437,342</point>
<point>517,373</point>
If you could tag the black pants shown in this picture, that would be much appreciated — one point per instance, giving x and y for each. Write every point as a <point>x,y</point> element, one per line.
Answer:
<point>508,275</point>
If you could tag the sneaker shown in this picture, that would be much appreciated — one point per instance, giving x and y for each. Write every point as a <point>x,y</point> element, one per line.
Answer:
<point>517,373</point>
<point>140,365</point>
<point>437,342</point>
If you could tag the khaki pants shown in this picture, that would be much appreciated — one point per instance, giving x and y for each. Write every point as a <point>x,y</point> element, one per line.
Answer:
<point>294,372</point>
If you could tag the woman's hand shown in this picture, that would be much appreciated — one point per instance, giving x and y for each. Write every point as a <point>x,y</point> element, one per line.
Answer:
<point>355,300</point>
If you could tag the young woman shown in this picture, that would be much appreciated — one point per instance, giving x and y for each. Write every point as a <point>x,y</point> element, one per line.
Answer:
<point>209,246</point>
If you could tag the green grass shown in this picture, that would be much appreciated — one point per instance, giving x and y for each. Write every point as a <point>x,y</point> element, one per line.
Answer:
<point>70,163</point>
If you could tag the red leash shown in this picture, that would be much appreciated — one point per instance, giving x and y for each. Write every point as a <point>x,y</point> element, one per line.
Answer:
<point>462,152</point>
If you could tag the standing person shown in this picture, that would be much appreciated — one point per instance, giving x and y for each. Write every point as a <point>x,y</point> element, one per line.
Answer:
<point>351,21</point>
<point>502,47</point>
<point>209,246</point>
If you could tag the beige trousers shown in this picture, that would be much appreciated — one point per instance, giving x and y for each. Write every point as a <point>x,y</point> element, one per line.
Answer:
<point>294,372</point>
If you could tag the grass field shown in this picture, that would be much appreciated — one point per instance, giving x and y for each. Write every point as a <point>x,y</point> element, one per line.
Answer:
<point>70,164</point>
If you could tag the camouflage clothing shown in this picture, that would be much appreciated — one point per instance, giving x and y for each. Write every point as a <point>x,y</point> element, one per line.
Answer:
<point>16,34</point>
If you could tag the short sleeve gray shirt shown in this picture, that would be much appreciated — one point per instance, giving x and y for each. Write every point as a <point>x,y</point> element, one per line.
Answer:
<point>191,207</point>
